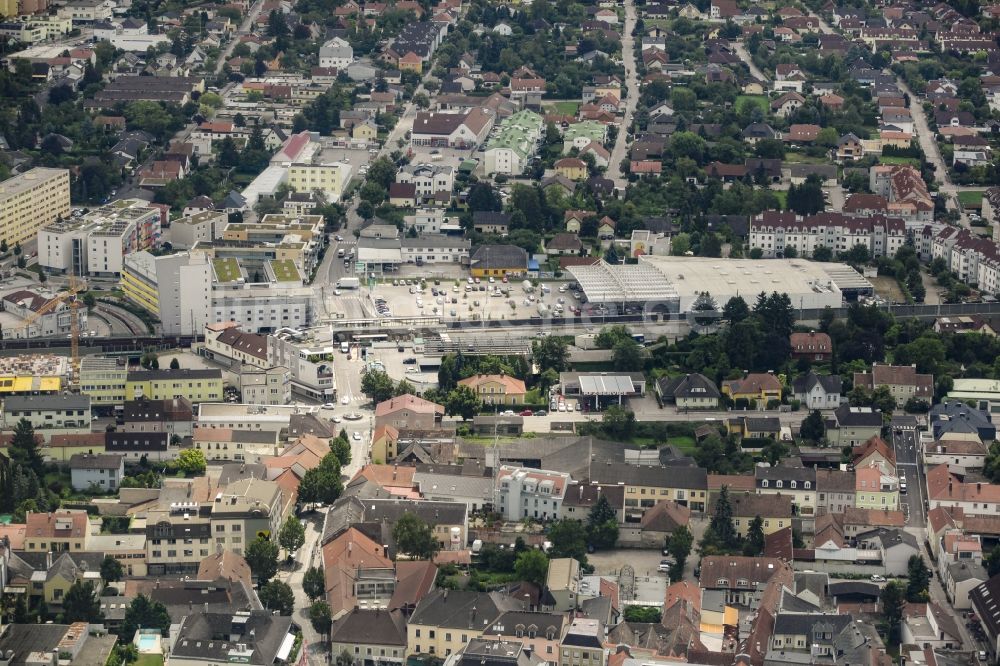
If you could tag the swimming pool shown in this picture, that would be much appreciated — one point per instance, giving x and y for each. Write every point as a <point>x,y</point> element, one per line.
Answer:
<point>148,643</point>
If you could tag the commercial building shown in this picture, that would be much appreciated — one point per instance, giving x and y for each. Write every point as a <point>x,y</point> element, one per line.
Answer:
<point>226,343</point>
<point>196,385</point>
<point>309,356</point>
<point>103,380</point>
<point>30,201</point>
<point>673,284</point>
<point>428,179</point>
<point>176,288</point>
<point>985,393</point>
<point>255,638</point>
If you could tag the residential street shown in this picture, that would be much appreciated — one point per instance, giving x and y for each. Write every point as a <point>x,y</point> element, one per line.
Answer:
<point>620,150</point>
<point>747,59</point>
<point>243,29</point>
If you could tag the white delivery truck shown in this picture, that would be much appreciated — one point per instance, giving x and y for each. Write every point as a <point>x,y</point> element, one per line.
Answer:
<point>348,283</point>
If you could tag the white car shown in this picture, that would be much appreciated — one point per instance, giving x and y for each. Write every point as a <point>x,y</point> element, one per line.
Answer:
<point>345,400</point>
<point>336,419</point>
<point>875,578</point>
<point>328,405</point>
<point>336,292</point>
<point>357,437</point>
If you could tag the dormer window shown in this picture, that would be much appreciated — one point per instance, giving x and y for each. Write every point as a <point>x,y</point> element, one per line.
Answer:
<point>722,582</point>
<point>763,483</point>
<point>779,484</point>
<point>792,484</point>
<point>806,485</point>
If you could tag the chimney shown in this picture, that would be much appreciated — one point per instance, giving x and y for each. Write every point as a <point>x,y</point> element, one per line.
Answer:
<point>979,487</point>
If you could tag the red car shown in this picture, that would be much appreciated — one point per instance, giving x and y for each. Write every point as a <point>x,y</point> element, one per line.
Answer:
<point>527,412</point>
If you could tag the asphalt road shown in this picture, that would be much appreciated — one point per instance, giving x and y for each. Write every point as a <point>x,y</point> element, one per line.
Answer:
<point>620,149</point>
<point>905,444</point>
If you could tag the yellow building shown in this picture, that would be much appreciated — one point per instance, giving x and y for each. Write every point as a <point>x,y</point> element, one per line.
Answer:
<point>103,379</point>
<point>572,167</point>
<point>775,511</point>
<point>496,389</point>
<point>366,131</point>
<point>56,532</point>
<point>196,385</point>
<point>327,178</point>
<point>61,448</point>
<point>137,287</point>
<point>384,444</point>
<point>34,385</point>
<point>32,200</point>
<point>645,486</point>
<point>876,487</point>
<point>760,386</point>
<point>440,623</point>
<point>498,261</point>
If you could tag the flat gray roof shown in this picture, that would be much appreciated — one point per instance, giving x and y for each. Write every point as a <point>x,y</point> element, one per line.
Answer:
<point>604,283</point>
<point>606,385</point>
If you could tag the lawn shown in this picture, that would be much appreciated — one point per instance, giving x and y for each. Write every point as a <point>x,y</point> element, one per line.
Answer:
<point>760,100</point>
<point>684,443</point>
<point>912,161</point>
<point>149,660</point>
<point>782,196</point>
<point>971,198</point>
<point>567,108</point>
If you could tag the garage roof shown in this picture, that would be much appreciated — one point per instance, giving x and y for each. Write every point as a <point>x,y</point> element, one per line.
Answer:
<point>606,385</point>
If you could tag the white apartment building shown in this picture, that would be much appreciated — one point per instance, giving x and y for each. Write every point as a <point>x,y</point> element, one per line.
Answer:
<point>530,493</point>
<point>428,179</point>
<point>177,288</point>
<point>329,179</point>
<point>336,53</point>
<point>56,320</point>
<point>98,243</point>
<point>204,226</point>
<point>434,249</point>
<point>262,309</point>
<point>309,356</point>
<point>773,231</point>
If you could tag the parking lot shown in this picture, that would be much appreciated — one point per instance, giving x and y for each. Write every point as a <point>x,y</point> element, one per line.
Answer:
<point>461,300</point>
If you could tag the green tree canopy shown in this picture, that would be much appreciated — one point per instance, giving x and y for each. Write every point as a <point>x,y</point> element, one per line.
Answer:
<point>146,613</point>
<point>314,583</point>
<point>276,595</point>
<point>81,604</point>
<point>292,535</point>
<point>532,565</point>
<point>262,556</point>
<point>415,537</point>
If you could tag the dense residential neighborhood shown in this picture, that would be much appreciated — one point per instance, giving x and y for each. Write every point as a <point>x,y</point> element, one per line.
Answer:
<point>488,333</point>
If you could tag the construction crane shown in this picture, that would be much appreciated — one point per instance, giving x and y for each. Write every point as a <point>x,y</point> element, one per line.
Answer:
<point>69,296</point>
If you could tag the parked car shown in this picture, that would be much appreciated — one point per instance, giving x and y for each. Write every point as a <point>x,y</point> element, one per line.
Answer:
<point>527,412</point>
<point>876,578</point>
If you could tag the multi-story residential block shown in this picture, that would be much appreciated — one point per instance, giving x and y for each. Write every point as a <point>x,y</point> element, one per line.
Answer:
<point>904,382</point>
<point>226,343</point>
<point>948,489</point>
<point>175,288</point>
<point>329,179</point>
<point>374,635</point>
<point>876,487</point>
<point>445,621</point>
<point>774,510</point>
<point>336,53</point>
<point>428,179</point>
<point>799,483</point>
<point>583,644</point>
<point>48,414</point>
<point>905,190</point>
<point>56,532</point>
<point>206,225</point>
<point>103,471</point>
<point>774,231</point>
<point>645,485</point>
<point>434,249</point>
<point>853,426</point>
<point>172,416</point>
<point>563,583</point>
<point>226,444</point>
<point>835,490</point>
<point>539,632</point>
<point>530,493</point>
<point>103,380</point>
<point>247,509</point>
<point>98,243</point>
<point>508,150</point>
<point>265,386</point>
<point>308,359</point>
<point>31,200</point>
<point>250,637</point>
<point>32,315</point>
